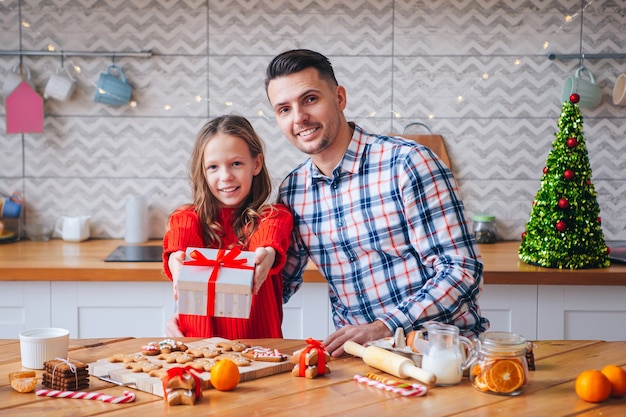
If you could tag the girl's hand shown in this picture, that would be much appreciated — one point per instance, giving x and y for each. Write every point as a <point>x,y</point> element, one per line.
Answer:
<point>175,263</point>
<point>171,327</point>
<point>264,260</point>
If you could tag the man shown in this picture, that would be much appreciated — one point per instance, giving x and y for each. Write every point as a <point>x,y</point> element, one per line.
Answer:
<point>380,216</point>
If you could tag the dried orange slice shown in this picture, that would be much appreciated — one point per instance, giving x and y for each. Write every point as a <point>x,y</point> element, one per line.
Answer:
<point>505,376</point>
<point>24,384</point>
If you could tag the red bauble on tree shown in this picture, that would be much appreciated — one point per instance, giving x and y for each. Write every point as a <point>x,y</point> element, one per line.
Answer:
<point>561,226</point>
<point>572,142</point>
<point>574,98</point>
<point>563,203</point>
<point>568,174</point>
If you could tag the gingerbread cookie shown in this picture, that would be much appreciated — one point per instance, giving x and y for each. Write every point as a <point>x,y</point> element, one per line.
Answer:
<point>144,366</point>
<point>170,345</point>
<point>202,364</point>
<point>239,361</point>
<point>310,371</point>
<point>205,352</point>
<point>176,357</point>
<point>231,346</point>
<point>263,354</point>
<point>151,349</point>
<point>125,357</point>
<point>180,397</point>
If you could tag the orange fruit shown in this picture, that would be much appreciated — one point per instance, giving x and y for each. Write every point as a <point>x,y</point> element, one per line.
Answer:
<point>505,376</point>
<point>224,375</point>
<point>593,386</point>
<point>617,378</point>
<point>21,374</point>
<point>24,384</point>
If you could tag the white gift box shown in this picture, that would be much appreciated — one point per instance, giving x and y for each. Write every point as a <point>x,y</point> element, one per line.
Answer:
<point>233,286</point>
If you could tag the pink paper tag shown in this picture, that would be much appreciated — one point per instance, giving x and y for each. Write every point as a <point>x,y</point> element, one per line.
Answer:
<point>24,110</point>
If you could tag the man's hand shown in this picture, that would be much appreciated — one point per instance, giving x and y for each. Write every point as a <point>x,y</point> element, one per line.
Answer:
<point>360,334</point>
<point>175,263</point>
<point>171,327</point>
<point>264,260</point>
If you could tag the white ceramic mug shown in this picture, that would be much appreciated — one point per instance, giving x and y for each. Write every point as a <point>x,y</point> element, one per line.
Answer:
<point>61,85</point>
<point>590,94</point>
<point>619,91</point>
<point>14,78</point>
<point>73,228</point>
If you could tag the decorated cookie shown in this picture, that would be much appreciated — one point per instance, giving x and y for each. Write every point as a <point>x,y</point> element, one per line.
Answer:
<point>151,349</point>
<point>263,354</point>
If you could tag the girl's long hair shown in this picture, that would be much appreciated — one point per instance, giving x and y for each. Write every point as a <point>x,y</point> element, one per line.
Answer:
<point>208,207</point>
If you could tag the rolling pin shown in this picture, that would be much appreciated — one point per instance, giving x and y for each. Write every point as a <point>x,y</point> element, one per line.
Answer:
<point>389,362</point>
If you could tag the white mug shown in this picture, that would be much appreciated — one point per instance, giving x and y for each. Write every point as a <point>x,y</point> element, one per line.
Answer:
<point>60,86</point>
<point>73,228</point>
<point>619,91</point>
<point>590,94</point>
<point>14,78</point>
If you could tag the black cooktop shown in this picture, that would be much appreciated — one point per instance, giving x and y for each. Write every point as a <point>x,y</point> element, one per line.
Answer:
<point>136,254</point>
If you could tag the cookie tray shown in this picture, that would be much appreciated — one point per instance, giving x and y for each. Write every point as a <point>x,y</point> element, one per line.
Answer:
<point>153,385</point>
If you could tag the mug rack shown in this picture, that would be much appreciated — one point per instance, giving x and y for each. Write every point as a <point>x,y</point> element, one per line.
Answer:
<point>112,54</point>
<point>553,56</point>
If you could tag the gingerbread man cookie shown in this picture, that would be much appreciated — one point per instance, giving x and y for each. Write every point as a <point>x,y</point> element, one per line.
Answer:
<point>231,346</point>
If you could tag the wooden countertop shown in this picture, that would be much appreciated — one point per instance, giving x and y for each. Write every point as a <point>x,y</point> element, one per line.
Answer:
<point>57,260</point>
<point>550,391</point>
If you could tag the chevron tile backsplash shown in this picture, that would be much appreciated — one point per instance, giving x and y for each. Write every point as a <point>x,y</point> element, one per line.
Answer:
<point>475,72</point>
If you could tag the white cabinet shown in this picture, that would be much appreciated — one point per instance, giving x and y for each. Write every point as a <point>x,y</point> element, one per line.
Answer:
<point>511,308</point>
<point>307,314</point>
<point>573,312</point>
<point>112,309</point>
<point>86,309</point>
<point>140,309</point>
<point>23,305</point>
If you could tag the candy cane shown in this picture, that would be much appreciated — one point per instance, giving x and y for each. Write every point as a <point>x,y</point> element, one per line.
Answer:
<point>410,390</point>
<point>81,395</point>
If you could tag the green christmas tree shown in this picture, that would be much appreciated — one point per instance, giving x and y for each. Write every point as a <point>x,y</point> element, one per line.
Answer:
<point>564,230</point>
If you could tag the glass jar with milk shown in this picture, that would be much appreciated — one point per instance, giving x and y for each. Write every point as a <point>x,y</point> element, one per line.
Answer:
<point>447,354</point>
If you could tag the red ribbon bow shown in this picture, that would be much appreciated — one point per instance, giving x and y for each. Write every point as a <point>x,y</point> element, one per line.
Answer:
<point>321,356</point>
<point>180,371</point>
<point>226,259</point>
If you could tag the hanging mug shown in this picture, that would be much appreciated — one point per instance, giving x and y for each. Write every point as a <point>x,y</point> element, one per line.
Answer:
<point>61,85</point>
<point>619,91</point>
<point>11,207</point>
<point>19,73</point>
<point>111,89</point>
<point>590,94</point>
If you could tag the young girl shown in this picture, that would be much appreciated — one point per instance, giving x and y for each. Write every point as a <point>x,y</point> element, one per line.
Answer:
<point>231,187</point>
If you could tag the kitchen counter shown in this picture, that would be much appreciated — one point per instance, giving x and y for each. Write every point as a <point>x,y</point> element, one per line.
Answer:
<point>57,260</point>
<point>550,391</point>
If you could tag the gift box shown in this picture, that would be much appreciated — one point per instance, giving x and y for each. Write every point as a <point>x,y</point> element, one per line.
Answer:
<point>216,283</point>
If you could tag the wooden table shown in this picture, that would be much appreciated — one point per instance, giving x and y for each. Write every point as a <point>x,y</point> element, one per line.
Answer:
<point>550,392</point>
<point>57,260</point>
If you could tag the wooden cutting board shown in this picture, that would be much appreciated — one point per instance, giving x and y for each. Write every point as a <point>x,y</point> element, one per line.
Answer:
<point>153,385</point>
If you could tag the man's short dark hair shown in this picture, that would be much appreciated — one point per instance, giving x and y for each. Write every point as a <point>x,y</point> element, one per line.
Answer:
<point>297,60</point>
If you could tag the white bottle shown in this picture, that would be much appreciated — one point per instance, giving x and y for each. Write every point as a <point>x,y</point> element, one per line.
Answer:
<point>136,230</point>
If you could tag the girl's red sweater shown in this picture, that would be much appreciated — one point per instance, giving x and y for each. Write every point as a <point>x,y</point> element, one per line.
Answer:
<point>266,314</point>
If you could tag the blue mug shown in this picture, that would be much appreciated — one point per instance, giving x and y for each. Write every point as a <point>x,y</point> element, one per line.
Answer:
<point>111,89</point>
<point>11,207</point>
